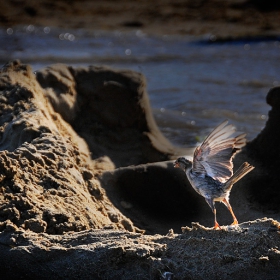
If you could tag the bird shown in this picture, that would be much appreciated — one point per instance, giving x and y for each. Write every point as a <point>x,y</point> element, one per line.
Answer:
<point>210,172</point>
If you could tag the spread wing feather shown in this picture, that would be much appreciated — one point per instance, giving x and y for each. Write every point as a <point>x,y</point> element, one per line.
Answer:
<point>214,156</point>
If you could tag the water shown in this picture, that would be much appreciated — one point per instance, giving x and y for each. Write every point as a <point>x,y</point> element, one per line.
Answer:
<point>192,85</point>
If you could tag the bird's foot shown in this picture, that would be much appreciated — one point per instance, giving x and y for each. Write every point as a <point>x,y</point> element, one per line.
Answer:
<point>217,226</point>
<point>235,222</point>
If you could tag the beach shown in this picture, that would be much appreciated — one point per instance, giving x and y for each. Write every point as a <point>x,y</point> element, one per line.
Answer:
<point>87,184</point>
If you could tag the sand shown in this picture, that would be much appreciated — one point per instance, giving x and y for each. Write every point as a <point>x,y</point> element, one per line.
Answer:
<point>247,252</point>
<point>87,185</point>
<point>86,195</point>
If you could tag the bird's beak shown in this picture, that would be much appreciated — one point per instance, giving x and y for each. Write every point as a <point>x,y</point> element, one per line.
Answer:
<point>176,164</point>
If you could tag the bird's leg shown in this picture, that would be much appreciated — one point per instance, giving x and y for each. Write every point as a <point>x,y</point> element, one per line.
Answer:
<point>211,203</point>
<point>216,225</point>
<point>226,202</point>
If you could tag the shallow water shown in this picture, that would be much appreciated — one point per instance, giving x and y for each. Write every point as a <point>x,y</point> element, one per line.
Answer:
<point>192,85</point>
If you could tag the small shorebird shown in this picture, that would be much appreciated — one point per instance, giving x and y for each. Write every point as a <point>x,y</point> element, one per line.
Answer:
<point>211,171</point>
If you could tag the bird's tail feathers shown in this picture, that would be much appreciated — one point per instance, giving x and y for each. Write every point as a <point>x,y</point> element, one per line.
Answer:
<point>239,173</point>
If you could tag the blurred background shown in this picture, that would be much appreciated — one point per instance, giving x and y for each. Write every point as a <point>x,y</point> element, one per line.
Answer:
<point>204,60</point>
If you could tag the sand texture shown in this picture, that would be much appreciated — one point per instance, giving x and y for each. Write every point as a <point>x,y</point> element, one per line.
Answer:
<point>247,252</point>
<point>85,171</point>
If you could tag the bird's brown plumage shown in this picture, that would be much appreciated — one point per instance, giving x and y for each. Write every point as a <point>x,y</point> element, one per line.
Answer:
<point>214,156</point>
<point>211,171</point>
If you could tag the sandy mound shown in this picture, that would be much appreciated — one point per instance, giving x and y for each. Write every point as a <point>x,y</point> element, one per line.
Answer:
<point>68,212</point>
<point>264,150</point>
<point>46,181</point>
<point>111,112</point>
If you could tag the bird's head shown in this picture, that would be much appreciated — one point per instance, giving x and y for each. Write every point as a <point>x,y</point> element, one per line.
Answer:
<point>182,163</point>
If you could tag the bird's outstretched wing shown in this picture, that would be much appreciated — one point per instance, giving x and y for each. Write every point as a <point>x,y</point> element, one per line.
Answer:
<point>214,156</point>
